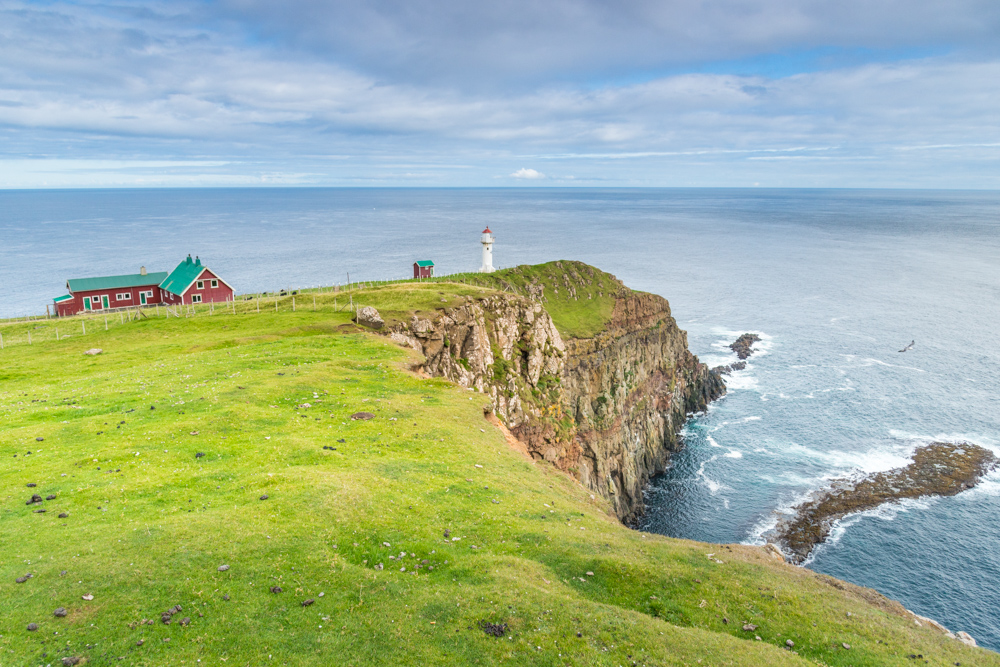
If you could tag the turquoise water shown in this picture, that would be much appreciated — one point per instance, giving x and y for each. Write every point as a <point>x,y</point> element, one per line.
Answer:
<point>834,281</point>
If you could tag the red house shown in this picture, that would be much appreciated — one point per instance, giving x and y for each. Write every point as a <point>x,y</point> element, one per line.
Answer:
<point>108,293</point>
<point>423,269</point>
<point>190,282</point>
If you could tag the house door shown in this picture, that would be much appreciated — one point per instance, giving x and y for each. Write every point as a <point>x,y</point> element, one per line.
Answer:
<point>86,303</point>
<point>142,298</point>
<point>104,301</point>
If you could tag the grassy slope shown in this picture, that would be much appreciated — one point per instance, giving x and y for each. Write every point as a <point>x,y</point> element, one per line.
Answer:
<point>582,317</point>
<point>152,533</point>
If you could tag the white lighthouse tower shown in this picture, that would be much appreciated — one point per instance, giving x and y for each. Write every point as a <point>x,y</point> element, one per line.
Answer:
<point>487,241</point>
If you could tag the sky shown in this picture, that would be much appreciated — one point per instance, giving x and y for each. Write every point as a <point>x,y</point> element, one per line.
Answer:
<point>449,93</point>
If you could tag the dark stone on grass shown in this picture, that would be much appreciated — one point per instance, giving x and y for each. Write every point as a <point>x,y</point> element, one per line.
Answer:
<point>493,629</point>
<point>32,627</point>
<point>21,580</point>
<point>31,485</point>
<point>199,455</point>
<point>226,597</point>
<point>35,498</point>
<point>362,416</point>
<point>223,568</point>
<point>60,612</point>
<point>447,532</point>
<point>140,642</point>
<point>749,627</point>
<point>71,660</point>
<point>39,439</point>
<point>185,621</point>
<point>63,515</point>
<point>275,589</point>
<point>306,603</point>
<point>176,609</point>
<point>41,511</point>
<point>50,497</point>
<point>64,572</point>
<point>938,469</point>
<point>264,497</point>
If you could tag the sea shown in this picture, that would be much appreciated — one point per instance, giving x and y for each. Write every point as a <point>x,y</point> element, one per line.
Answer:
<point>835,282</point>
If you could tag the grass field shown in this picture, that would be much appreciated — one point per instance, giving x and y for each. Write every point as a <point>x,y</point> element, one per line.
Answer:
<point>406,530</point>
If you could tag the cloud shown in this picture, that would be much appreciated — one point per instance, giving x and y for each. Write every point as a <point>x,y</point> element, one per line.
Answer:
<point>231,92</point>
<point>529,174</point>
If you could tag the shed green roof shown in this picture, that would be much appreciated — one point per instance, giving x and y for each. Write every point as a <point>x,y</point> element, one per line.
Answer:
<point>425,262</point>
<point>182,277</point>
<point>115,282</point>
<point>64,297</point>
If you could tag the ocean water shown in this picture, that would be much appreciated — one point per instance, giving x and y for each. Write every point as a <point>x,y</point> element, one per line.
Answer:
<point>835,282</point>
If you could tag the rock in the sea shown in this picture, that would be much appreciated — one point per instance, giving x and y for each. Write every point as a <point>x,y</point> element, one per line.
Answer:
<point>370,318</point>
<point>94,351</point>
<point>938,469</point>
<point>741,346</point>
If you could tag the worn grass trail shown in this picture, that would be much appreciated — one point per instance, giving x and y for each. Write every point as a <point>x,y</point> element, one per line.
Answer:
<point>354,520</point>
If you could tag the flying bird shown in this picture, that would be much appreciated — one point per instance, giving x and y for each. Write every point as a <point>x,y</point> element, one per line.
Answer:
<point>908,347</point>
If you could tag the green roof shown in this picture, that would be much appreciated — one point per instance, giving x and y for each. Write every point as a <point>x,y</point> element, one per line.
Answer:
<point>115,282</point>
<point>182,277</point>
<point>60,299</point>
<point>425,262</point>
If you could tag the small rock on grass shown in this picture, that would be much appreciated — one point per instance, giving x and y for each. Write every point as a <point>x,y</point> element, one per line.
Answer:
<point>32,627</point>
<point>94,351</point>
<point>223,568</point>
<point>362,416</point>
<point>199,455</point>
<point>846,646</point>
<point>35,498</point>
<point>88,597</point>
<point>70,660</point>
<point>39,439</point>
<point>789,643</point>
<point>51,496</point>
<point>264,497</point>
<point>275,589</point>
<point>60,612</point>
<point>749,627</point>
<point>306,603</point>
<point>63,515</point>
<point>31,485</point>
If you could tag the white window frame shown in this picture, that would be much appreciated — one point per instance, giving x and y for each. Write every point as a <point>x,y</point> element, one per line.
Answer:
<point>215,283</point>
<point>201,284</point>
<point>195,298</point>
<point>96,299</point>
<point>124,296</point>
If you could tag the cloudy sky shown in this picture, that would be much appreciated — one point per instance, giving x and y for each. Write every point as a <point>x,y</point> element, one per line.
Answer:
<point>742,93</point>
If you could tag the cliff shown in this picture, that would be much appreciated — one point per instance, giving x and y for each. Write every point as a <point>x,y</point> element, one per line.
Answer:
<point>593,377</point>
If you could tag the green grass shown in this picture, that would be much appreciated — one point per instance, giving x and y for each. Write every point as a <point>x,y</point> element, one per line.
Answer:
<point>580,298</point>
<point>149,523</point>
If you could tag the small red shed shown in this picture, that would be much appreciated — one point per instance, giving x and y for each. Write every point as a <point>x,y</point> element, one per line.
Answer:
<point>423,269</point>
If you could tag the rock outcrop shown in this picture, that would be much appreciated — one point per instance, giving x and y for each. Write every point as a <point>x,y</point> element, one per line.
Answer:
<point>606,409</point>
<point>938,469</point>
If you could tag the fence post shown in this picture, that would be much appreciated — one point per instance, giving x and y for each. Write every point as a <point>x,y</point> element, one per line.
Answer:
<point>258,303</point>
<point>293,304</point>
<point>275,303</point>
<point>157,310</point>
<point>57,333</point>
<point>314,302</point>
<point>84,324</point>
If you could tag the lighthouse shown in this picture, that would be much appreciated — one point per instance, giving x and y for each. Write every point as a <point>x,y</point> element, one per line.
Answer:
<point>487,241</point>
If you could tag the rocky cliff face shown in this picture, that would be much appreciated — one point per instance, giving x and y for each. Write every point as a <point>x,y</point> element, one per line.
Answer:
<point>607,409</point>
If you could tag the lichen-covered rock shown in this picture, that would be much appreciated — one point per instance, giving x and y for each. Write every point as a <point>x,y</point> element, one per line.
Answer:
<point>369,317</point>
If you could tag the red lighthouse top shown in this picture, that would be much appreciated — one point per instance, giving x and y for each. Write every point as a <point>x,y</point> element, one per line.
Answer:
<point>487,231</point>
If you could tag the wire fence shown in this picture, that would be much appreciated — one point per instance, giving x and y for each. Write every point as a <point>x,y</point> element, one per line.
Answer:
<point>37,329</point>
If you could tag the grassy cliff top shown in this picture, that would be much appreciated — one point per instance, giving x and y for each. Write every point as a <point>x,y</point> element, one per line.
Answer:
<point>406,530</point>
<point>579,297</point>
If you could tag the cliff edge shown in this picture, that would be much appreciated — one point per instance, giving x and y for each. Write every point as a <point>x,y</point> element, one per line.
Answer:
<point>593,377</point>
